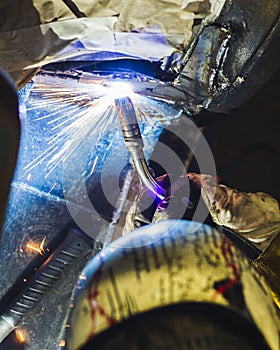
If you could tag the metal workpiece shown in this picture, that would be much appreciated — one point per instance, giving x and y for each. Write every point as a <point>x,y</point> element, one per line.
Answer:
<point>134,143</point>
<point>224,65</point>
<point>46,200</point>
<point>75,246</point>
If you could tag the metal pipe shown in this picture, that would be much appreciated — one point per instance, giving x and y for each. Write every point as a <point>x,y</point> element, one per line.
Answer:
<point>134,144</point>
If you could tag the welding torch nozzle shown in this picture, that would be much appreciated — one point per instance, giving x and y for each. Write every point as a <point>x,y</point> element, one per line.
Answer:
<point>135,145</point>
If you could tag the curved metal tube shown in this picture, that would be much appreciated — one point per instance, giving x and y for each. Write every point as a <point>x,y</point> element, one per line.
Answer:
<point>134,143</point>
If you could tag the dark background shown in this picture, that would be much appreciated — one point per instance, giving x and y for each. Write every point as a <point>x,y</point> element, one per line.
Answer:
<point>246,143</point>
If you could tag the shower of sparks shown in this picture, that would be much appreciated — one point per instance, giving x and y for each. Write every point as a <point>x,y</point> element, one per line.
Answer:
<point>62,343</point>
<point>52,188</point>
<point>39,248</point>
<point>93,165</point>
<point>79,111</point>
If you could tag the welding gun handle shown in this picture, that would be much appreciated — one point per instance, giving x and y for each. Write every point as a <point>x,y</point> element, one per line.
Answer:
<point>75,246</point>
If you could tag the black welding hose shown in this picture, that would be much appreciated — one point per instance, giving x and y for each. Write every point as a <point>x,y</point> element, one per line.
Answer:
<point>134,143</point>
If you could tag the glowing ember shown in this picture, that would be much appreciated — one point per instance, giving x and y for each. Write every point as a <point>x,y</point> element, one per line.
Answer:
<point>82,277</point>
<point>39,248</point>
<point>93,166</point>
<point>21,335</point>
<point>62,343</point>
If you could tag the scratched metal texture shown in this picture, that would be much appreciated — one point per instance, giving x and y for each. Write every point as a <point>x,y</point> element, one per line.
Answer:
<point>37,209</point>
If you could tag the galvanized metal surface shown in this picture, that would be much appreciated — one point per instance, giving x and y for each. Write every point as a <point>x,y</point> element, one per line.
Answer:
<point>83,190</point>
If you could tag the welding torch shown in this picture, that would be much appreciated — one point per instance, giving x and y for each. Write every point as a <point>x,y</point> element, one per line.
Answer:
<point>134,143</point>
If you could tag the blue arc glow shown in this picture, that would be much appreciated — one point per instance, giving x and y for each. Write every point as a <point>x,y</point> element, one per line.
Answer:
<point>119,90</point>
